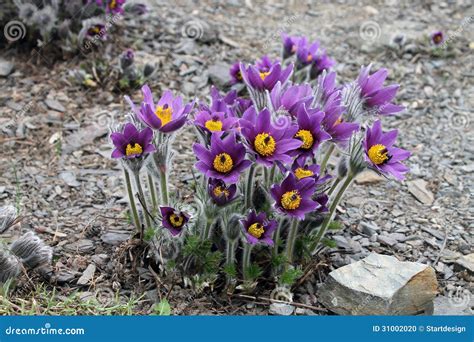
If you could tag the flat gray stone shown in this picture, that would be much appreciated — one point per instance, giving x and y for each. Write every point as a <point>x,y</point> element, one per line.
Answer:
<point>465,262</point>
<point>87,275</point>
<point>380,285</point>
<point>281,309</point>
<point>114,239</point>
<point>418,188</point>
<point>55,105</point>
<point>6,67</point>
<point>219,74</point>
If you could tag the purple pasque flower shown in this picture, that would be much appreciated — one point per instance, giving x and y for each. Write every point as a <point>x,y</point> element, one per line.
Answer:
<point>293,196</point>
<point>290,44</point>
<point>115,6</point>
<point>309,131</point>
<point>377,97</point>
<point>132,143</point>
<point>306,52</point>
<point>437,37</point>
<point>291,97</point>
<point>258,229</point>
<point>127,58</point>
<point>168,115</point>
<point>381,154</point>
<point>333,122</point>
<point>265,80</point>
<point>215,122</point>
<point>264,64</point>
<point>266,141</point>
<point>235,74</point>
<point>97,29</point>
<point>303,170</point>
<point>224,160</point>
<point>320,63</point>
<point>220,193</point>
<point>173,220</point>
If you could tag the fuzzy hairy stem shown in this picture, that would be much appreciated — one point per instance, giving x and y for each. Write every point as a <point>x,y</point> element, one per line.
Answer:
<point>248,192</point>
<point>206,232</point>
<point>131,200</point>
<point>332,210</point>
<point>325,160</point>
<point>276,236</point>
<point>334,186</point>
<point>164,186</point>
<point>143,201</point>
<point>246,259</point>
<point>290,242</point>
<point>151,185</point>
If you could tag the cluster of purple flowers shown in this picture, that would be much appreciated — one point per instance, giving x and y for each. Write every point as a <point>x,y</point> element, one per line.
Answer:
<point>278,138</point>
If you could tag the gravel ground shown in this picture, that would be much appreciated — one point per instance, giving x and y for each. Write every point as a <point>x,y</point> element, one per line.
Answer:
<point>55,154</point>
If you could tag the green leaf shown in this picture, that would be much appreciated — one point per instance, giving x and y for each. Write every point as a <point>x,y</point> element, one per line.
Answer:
<point>163,308</point>
<point>253,272</point>
<point>335,225</point>
<point>329,243</point>
<point>290,276</point>
<point>149,234</point>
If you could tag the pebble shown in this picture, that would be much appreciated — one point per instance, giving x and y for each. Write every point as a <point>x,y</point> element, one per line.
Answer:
<point>418,188</point>
<point>465,262</point>
<point>6,67</point>
<point>114,238</point>
<point>281,309</point>
<point>87,275</point>
<point>54,105</point>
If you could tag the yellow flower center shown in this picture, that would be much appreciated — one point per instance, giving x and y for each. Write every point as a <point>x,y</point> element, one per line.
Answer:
<point>113,4</point>
<point>256,230</point>
<point>291,200</point>
<point>218,191</point>
<point>133,150</point>
<point>239,75</point>
<point>264,144</point>
<point>263,75</point>
<point>309,58</point>
<point>94,30</point>
<point>214,125</point>
<point>378,154</point>
<point>176,220</point>
<point>223,163</point>
<point>164,113</point>
<point>301,173</point>
<point>306,137</point>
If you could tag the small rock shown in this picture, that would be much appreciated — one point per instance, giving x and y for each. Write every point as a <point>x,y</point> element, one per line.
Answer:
<point>368,177</point>
<point>386,240</point>
<point>380,285</point>
<point>65,276</point>
<point>457,303</point>
<point>87,275</point>
<point>465,262</point>
<point>69,178</point>
<point>368,228</point>
<point>6,67</point>
<point>81,246</point>
<point>418,189</point>
<point>54,105</point>
<point>219,74</point>
<point>281,309</point>
<point>114,239</point>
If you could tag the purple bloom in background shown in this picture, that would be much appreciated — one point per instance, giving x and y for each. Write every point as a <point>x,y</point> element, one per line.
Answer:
<point>309,131</point>
<point>376,96</point>
<point>293,196</point>
<point>167,116</point>
<point>333,122</point>
<point>261,80</point>
<point>437,38</point>
<point>220,193</point>
<point>115,6</point>
<point>258,229</point>
<point>265,64</point>
<point>290,44</point>
<point>322,199</point>
<point>306,52</point>
<point>291,97</point>
<point>224,160</point>
<point>321,62</point>
<point>235,74</point>
<point>132,143</point>
<point>127,58</point>
<point>215,122</point>
<point>97,30</point>
<point>266,141</point>
<point>173,220</point>
<point>381,154</point>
